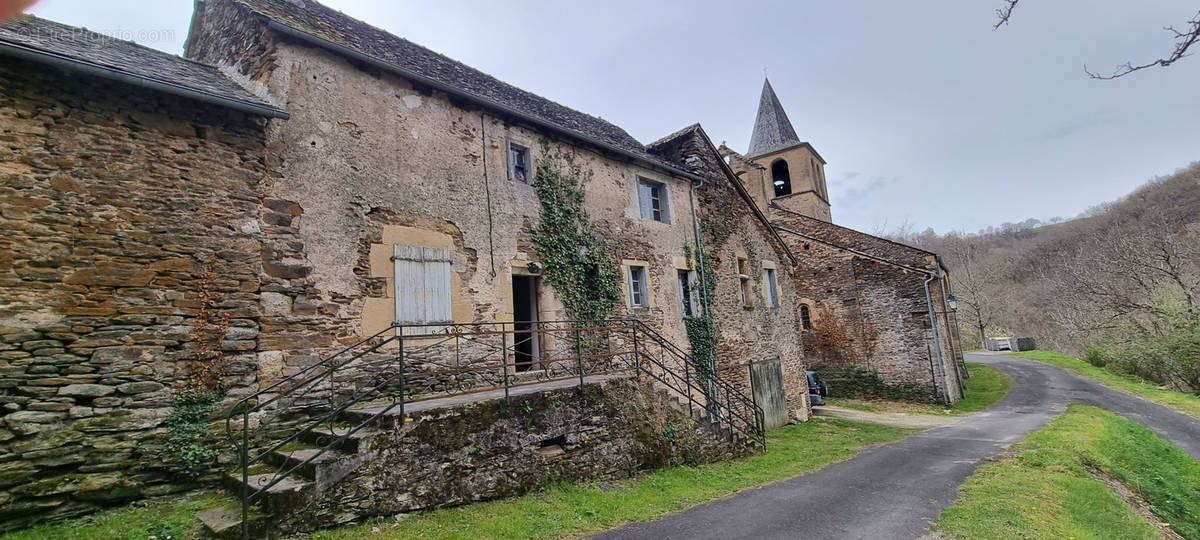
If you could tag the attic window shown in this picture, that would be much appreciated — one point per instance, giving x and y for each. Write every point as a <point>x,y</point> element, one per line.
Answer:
<point>519,164</point>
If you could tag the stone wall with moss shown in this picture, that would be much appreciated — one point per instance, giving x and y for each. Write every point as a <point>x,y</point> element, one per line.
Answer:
<point>114,202</point>
<point>492,449</point>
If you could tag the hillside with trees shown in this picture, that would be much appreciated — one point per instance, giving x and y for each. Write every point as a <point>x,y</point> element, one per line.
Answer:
<point>1119,285</point>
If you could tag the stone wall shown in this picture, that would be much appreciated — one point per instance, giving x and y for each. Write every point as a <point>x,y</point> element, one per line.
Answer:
<point>867,305</point>
<point>115,204</point>
<point>493,449</point>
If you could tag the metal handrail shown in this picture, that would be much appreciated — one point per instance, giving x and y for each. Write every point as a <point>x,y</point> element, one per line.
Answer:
<point>738,412</point>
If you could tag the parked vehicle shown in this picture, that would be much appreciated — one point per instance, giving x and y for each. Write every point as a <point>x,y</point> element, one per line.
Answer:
<point>817,388</point>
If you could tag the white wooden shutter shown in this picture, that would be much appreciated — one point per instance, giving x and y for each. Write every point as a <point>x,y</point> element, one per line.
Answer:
<point>422,277</point>
<point>643,191</point>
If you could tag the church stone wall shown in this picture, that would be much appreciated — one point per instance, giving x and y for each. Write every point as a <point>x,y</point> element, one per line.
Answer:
<point>871,313</point>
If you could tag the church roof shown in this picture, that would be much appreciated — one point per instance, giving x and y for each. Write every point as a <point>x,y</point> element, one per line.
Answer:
<point>81,50</point>
<point>772,129</point>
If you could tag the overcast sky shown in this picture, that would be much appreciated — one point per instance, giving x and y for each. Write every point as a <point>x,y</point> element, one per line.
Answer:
<point>924,113</point>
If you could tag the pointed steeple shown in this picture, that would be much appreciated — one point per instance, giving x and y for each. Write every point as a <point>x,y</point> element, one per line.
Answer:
<point>772,129</point>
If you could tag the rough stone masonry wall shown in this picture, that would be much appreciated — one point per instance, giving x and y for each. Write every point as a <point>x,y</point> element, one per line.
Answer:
<point>869,313</point>
<point>113,202</point>
<point>747,333</point>
<point>493,449</point>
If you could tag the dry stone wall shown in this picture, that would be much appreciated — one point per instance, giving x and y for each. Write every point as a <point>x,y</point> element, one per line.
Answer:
<point>114,202</point>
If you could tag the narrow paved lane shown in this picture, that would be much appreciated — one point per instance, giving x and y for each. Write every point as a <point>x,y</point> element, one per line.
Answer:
<point>897,490</point>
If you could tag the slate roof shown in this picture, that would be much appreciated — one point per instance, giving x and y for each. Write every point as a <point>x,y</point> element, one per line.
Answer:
<point>772,129</point>
<point>334,26</point>
<point>47,41</point>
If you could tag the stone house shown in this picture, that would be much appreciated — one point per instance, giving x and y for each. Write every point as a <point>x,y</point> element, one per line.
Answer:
<point>283,204</point>
<point>392,144</point>
<point>863,301</point>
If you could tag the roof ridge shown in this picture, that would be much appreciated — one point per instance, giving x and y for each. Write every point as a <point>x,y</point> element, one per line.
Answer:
<point>262,7</point>
<point>845,228</point>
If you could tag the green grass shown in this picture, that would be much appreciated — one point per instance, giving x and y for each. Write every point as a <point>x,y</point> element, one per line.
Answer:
<point>571,510</point>
<point>560,510</point>
<point>170,517</point>
<point>1046,489</point>
<point>985,386</point>
<point>1185,403</point>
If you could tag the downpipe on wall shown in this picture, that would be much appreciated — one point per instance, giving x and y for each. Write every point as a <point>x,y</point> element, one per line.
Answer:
<point>937,346</point>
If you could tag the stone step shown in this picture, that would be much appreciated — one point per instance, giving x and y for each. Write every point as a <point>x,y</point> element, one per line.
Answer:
<point>287,459</point>
<point>323,436</point>
<point>287,484</point>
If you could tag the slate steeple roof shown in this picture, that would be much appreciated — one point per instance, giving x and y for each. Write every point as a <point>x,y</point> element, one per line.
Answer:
<point>772,129</point>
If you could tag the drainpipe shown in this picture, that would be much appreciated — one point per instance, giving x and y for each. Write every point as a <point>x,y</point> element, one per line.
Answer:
<point>937,346</point>
<point>951,330</point>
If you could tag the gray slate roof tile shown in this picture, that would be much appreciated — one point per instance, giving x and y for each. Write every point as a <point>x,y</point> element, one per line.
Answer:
<point>81,45</point>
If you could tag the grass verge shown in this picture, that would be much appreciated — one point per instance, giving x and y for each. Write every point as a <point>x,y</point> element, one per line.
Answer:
<point>985,386</point>
<point>160,519</point>
<point>1047,489</point>
<point>1185,403</point>
<point>558,511</point>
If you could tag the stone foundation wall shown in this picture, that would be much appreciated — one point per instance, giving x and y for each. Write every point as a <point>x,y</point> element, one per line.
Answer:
<point>494,449</point>
<point>115,203</point>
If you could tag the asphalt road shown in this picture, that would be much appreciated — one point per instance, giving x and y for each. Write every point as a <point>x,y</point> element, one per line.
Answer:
<point>895,491</point>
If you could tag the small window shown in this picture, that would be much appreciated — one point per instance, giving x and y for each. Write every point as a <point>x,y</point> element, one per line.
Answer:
<point>781,178</point>
<point>805,317</point>
<point>519,164</point>
<point>743,281</point>
<point>652,199</point>
<point>639,291</point>
<point>689,293</point>
<point>772,287</point>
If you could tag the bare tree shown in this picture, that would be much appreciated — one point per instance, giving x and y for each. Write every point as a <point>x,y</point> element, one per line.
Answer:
<point>1184,41</point>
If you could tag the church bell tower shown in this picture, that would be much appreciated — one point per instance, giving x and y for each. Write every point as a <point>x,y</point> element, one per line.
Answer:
<point>779,169</point>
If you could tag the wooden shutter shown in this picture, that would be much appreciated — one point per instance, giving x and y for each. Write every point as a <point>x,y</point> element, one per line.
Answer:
<point>422,276</point>
<point>643,190</point>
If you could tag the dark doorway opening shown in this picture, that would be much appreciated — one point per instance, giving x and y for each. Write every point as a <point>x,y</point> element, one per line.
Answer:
<point>525,317</point>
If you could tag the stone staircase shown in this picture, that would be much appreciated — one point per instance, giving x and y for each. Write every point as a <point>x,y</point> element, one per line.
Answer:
<point>316,461</point>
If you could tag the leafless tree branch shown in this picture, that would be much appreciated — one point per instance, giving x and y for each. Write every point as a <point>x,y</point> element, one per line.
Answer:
<point>1185,41</point>
<point>1004,13</point>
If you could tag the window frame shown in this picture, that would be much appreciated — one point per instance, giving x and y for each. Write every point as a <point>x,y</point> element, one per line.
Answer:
<point>689,293</point>
<point>639,290</point>
<point>742,265</point>
<point>512,166</point>
<point>771,284</point>
<point>658,192</point>
<point>805,318</point>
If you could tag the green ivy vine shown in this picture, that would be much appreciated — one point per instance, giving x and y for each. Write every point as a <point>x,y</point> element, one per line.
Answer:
<point>584,277</point>
<point>702,329</point>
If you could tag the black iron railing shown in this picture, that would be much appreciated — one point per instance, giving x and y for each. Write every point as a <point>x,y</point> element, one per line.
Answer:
<point>408,363</point>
